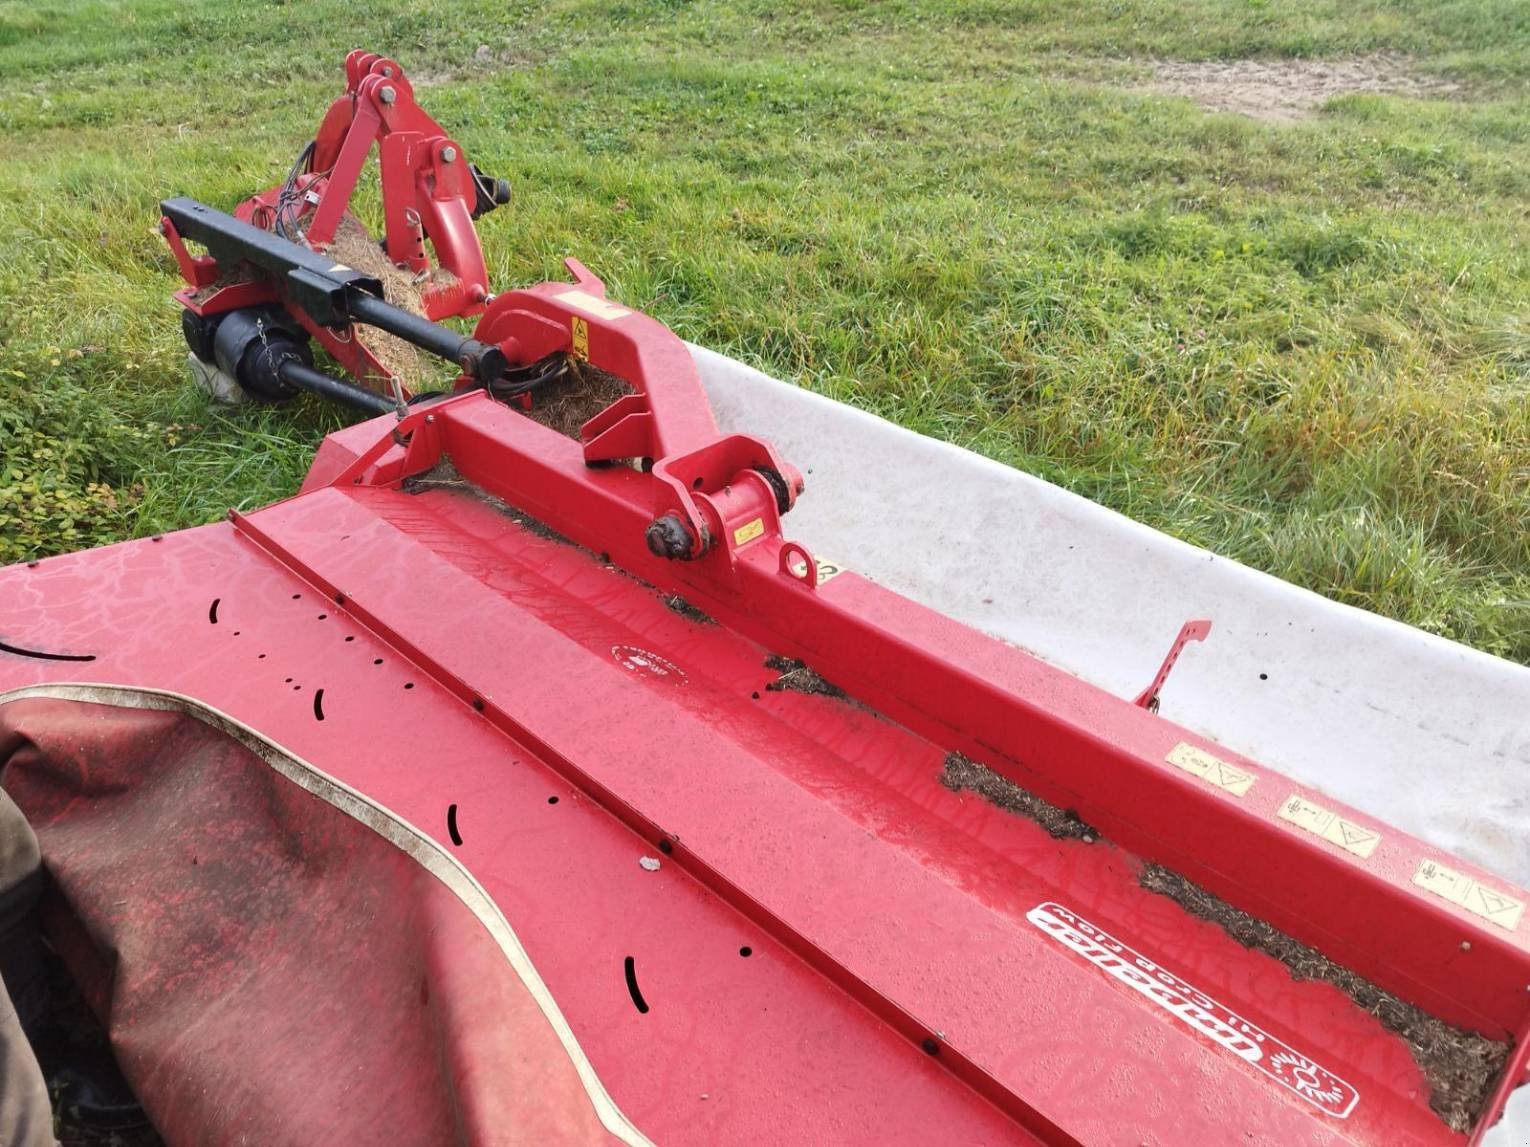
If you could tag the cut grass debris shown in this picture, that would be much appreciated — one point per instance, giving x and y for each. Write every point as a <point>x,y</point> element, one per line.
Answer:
<point>1461,1066</point>
<point>961,772</point>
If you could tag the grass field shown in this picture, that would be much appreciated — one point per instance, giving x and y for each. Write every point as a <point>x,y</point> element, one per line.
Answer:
<point>1304,346</point>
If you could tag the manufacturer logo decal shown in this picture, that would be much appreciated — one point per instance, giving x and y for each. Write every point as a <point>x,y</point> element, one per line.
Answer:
<point>748,531</point>
<point>1197,1011</point>
<point>647,663</point>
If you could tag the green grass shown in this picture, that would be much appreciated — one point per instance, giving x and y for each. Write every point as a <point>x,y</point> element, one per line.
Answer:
<point>1306,347</point>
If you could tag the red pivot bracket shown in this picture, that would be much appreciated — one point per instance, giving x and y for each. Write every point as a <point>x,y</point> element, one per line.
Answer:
<point>1190,631</point>
<point>198,270</point>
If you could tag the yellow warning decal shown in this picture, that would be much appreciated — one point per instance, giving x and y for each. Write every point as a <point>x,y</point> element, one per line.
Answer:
<point>748,531</point>
<point>1464,892</point>
<point>593,304</point>
<point>827,569</point>
<point>580,329</point>
<point>1332,827</point>
<point>1212,769</point>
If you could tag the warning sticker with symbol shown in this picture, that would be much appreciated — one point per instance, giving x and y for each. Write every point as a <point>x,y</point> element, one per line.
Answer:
<point>1333,828</point>
<point>1210,768</point>
<point>1464,892</point>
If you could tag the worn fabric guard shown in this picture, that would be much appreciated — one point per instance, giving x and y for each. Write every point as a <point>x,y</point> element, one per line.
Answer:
<point>270,966</point>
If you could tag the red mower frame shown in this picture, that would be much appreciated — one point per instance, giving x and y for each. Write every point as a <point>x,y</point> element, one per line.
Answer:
<point>660,493</point>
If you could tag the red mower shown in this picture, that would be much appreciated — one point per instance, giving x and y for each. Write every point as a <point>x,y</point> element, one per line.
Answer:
<point>520,780</point>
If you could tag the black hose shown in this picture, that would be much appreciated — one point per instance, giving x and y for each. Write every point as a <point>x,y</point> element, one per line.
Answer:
<point>527,379</point>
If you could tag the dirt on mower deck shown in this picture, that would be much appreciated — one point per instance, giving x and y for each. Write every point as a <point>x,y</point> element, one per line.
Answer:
<point>962,772</point>
<point>232,277</point>
<point>444,475</point>
<point>796,677</point>
<point>678,604</point>
<point>1285,91</point>
<point>1461,1066</point>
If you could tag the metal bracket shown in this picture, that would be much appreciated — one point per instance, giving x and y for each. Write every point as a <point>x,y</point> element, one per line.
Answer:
<point>1190,631</point>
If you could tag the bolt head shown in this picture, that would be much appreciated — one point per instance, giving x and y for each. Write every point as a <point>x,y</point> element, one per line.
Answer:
<point>667,537</point>
<point>448,154</point>
<point>387,95</point>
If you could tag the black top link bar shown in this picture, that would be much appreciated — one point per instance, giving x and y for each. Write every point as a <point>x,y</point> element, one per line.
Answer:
<point>330,293</point>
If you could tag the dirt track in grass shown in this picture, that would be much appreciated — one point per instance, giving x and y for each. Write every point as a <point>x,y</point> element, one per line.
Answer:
<point>1284,91</point>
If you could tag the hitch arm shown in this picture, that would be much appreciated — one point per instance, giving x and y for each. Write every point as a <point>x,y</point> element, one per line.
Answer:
<point>330,293</point>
